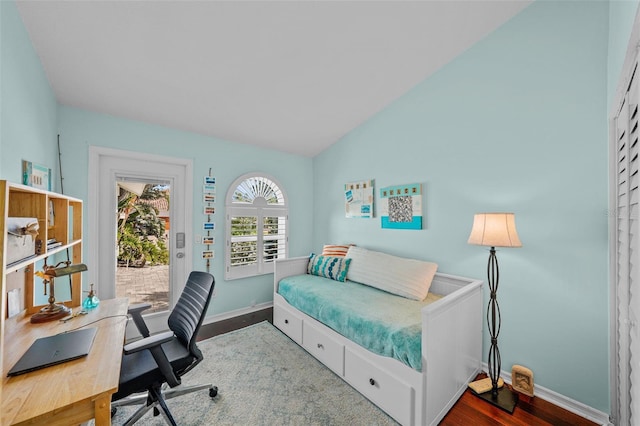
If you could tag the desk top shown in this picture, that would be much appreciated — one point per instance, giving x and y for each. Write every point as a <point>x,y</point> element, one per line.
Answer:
<point>68,390</point>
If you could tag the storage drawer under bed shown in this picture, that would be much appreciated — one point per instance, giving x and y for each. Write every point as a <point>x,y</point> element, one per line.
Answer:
<point>325,348</point>
<point>387,392</point>
<point>288,321</point>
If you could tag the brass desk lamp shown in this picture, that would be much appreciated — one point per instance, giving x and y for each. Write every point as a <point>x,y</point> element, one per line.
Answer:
<point>53,310</point>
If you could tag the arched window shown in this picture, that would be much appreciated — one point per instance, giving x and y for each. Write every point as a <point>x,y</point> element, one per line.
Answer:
<point>256,231</point>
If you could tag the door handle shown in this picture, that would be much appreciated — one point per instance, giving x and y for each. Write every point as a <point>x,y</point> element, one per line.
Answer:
<point>180,240</point>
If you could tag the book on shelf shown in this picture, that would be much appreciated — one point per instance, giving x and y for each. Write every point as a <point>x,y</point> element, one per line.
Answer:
<point>53,244</point>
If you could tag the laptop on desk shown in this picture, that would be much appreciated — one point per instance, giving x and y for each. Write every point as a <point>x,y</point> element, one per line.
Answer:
<point>52,350</point>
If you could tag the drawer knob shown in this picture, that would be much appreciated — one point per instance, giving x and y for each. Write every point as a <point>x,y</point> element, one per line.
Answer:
<point>286,321</point>
<point>372,382</point>
<point>320,346</point>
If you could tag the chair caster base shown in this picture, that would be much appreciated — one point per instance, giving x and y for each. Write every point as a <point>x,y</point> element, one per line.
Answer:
<point>213,391</point>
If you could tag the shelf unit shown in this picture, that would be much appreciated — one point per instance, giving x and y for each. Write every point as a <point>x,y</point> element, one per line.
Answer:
<point>65,225</point>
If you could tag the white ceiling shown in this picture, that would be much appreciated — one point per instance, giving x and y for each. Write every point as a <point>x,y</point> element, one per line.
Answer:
<point>293,76</point>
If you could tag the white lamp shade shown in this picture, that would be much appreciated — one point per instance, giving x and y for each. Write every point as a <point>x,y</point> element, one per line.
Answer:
<point>495,230</point>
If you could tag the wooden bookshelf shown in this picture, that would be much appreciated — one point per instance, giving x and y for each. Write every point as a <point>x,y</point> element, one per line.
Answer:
<point>59,217</point>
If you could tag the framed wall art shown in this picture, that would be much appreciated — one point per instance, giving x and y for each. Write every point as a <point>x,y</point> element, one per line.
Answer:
<point>359,199</point>
<point>401,206</point>
<point>36,175</point>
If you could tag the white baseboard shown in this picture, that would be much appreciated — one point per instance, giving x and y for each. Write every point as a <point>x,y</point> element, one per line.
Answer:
<point>562,401</point>
<point>238,312</point>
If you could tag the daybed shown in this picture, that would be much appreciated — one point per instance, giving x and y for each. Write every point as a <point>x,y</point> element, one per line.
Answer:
<point>416,380</point>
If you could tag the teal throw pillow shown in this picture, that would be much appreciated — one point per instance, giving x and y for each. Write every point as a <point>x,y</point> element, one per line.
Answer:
<point>332,267</point>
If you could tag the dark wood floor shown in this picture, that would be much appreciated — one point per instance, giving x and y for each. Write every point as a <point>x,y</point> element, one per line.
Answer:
<point>235,323</point>
<point>468,411</point>
<point>471,410</point>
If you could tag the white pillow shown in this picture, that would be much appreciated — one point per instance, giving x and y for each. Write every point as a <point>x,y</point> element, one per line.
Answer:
<point>408,278</point>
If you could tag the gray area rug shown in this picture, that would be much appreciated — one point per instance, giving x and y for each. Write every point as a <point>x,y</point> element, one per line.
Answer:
<point>264,378</point>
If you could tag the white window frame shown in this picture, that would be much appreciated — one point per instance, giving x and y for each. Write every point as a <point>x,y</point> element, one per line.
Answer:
<point>257,207</point>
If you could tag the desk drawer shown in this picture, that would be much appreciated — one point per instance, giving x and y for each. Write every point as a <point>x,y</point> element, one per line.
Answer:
<point>327,350</point>
<point>387,392</point>
<point>288,321</point>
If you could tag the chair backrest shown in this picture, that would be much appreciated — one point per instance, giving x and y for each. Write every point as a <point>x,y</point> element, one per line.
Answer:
<point>187,316</point>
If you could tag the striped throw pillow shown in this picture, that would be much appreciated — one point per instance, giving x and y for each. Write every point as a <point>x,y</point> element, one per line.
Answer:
<point>335,249</point>
<point>332,267</point>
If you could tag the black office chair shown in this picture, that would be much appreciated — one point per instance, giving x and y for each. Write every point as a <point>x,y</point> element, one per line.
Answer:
<point>153,362</point>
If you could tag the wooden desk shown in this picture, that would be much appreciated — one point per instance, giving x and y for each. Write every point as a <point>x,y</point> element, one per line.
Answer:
<point>68,393</point>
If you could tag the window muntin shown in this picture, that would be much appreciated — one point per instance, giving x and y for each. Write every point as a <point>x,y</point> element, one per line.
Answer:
<point>256,187</point>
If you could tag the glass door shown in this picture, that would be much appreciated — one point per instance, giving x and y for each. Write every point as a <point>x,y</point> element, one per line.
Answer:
<point>139,217</point>
<point>143,242</point>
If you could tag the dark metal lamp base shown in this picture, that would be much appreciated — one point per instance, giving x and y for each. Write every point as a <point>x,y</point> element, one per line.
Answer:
<point>505,399</point>
<point>51,312</point>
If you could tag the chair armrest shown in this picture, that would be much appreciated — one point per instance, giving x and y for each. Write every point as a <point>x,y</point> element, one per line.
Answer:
<point>138,307</point>
<point>136,314</point>
<point>154,345</point>
<point>148,342</point>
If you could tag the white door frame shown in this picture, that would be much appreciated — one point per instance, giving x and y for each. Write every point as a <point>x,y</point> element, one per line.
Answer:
<point>102,209</point>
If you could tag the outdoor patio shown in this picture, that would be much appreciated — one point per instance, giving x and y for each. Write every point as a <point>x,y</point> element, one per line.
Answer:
<point>147,284</point>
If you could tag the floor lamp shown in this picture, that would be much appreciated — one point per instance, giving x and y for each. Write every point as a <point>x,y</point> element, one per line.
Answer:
<point>495,230</point>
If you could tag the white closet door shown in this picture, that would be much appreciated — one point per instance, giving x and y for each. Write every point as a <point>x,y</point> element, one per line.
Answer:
<point>634,257</point>
<point>627,263</point>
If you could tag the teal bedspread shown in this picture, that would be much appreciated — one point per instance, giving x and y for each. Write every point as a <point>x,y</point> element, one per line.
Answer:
<point>381,322</point>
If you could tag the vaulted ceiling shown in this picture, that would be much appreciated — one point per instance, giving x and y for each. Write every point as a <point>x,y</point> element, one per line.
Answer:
<point>293,76</point>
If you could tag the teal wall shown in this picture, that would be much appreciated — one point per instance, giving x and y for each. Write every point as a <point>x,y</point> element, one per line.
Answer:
<point>2,59</point>
<point>80,129</point>
<point>31,120</point>
<point>516,123</point>
<point>28,105</point>
<point>622,14</point>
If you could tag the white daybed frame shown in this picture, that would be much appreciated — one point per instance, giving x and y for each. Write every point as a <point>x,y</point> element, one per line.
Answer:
<point>451,350</point>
